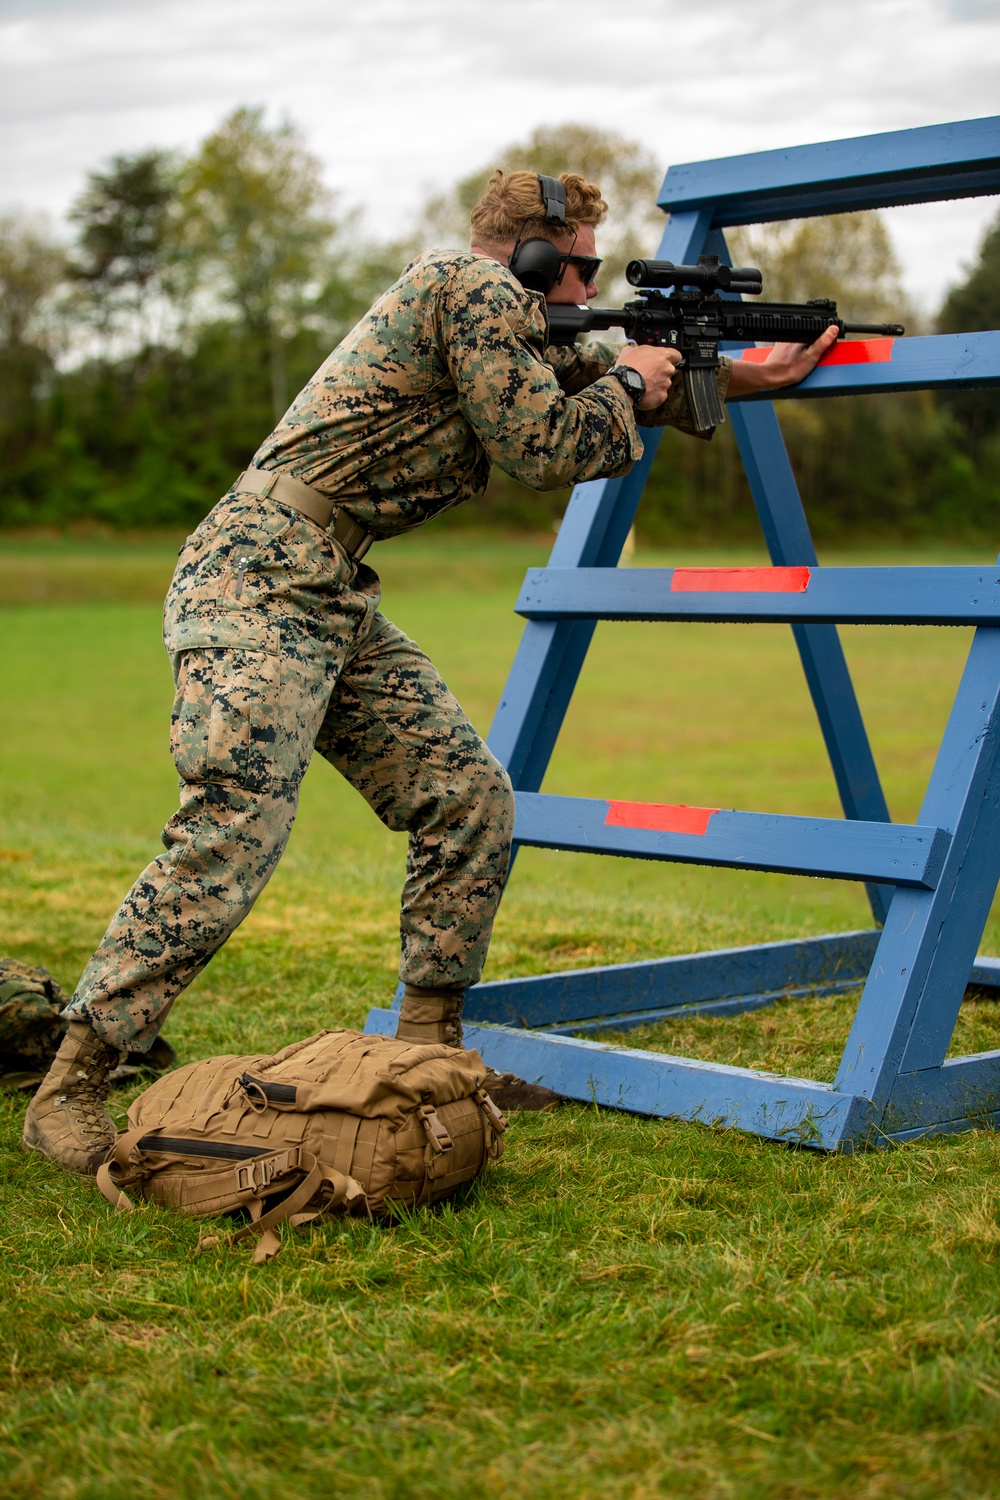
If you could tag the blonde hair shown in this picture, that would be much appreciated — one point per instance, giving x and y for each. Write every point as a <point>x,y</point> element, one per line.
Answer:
<point>512,206</point>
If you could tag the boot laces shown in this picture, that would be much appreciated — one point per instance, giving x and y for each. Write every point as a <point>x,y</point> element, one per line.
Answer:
<point>86,1101</point>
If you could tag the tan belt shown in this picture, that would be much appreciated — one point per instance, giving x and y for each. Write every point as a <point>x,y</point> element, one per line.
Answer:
<point>352,536</point>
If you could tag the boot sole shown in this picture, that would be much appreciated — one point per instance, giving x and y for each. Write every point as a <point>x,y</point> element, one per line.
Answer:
<point>32,1139</point>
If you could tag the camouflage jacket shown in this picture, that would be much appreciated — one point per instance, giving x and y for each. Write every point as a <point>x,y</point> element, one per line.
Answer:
<point>446,374</point>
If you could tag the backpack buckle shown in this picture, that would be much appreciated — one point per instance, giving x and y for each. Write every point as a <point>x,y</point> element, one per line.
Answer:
<point>437,1135</point>
<point>497,1120</point>
<point>256,1175</point>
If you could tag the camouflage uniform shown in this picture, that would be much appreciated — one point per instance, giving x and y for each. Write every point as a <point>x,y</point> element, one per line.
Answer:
<point>278,646</point>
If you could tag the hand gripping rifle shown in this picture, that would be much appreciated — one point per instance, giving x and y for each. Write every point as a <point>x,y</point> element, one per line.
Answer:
<point>694,319</point>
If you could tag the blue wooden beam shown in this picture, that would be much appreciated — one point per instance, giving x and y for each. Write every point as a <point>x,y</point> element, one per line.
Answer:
<point>789,541</point>
<point>944,361</point>
<point>986,973</point>
<point>725,975</point>
<point>631,1020</point>
<point>957,160</point>
<point>723,981</point>
<point>897,853</point>
<point>962,1088</point>
<point>652,1083</point>
<point>908,1008</point>
<point>961,1094</point>
<point>717,982</point>
<point>859,596</point>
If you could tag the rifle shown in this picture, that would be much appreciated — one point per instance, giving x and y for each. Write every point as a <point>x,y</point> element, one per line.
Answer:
<point>695,321</point>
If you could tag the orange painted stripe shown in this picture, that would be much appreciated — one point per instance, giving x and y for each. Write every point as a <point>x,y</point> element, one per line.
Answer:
<point>662,817</point>
<point>739,580</point>
<point>844,352</point>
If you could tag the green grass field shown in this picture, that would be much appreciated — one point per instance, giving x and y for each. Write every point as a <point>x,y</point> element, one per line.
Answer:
<point>623,1307</point>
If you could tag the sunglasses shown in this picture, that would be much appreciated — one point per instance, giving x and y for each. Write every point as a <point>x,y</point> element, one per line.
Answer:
<point>587,265</point>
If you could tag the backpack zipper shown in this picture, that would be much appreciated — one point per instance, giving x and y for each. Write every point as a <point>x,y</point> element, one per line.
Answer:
<point>274,1093</point>
<point>175,1145</point>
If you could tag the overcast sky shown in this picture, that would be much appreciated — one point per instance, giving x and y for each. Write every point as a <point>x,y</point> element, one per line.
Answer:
<point>401,96</point>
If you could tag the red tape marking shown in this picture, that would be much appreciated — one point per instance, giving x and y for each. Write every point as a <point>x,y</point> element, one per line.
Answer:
<point>662,817</point>
<point>844,352</point>
<point>739,580</point>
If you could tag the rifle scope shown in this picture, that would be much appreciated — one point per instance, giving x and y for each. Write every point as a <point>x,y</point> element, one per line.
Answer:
<point>708,275</point>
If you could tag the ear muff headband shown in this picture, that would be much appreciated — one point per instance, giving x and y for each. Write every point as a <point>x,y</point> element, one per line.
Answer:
<point>537,263</point>
<point>554,198</point>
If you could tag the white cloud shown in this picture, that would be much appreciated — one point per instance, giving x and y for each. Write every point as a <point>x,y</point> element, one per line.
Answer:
<point>397,96</point>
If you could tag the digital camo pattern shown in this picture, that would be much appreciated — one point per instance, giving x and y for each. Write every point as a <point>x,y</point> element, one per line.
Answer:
<point>445,375</point>
<point>278,647</point>
<point>578,365</point>
<point>295,656</point>
<point>31,1025</point>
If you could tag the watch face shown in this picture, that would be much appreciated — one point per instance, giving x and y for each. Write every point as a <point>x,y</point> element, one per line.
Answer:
<point>631,380</point>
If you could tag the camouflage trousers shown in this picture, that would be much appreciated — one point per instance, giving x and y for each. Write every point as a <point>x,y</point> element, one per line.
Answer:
<point>278,649</point>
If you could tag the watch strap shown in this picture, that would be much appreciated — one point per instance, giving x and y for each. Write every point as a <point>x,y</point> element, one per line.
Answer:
<point>626,381</point>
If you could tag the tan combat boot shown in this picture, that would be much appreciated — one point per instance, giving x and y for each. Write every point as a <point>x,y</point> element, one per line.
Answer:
<point>434,1015</point>
<point>431,1015</point>
<point>66,1119</point>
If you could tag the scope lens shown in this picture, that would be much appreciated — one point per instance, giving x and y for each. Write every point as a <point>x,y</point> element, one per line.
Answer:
<point>635,272</point>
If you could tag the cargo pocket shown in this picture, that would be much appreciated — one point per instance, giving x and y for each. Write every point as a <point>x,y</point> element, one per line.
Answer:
<point>225,718</point>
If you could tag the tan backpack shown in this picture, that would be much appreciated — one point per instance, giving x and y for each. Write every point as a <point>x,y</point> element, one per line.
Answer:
<point>338,1121</point>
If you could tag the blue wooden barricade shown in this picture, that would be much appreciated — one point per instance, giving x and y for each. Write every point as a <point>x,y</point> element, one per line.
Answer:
<point>930,883</point>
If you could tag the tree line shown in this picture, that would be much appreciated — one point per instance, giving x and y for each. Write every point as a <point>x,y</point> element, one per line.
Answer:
<point>142,364</point>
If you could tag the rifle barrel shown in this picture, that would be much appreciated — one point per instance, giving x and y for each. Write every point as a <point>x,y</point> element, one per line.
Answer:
<point>887,330</point>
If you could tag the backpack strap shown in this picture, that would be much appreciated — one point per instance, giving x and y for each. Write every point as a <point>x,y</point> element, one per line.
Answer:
<point>342,1190</point>
<point>254,1180</point>
<point>118,1170</point>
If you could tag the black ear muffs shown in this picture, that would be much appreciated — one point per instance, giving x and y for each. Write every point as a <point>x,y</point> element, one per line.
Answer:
<point>537,264</point>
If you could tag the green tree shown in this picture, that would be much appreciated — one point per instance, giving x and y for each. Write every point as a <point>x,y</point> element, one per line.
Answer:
<point>847,257</point>
<point>627,173</point>
<point>123,239</point>
<point>32,269</point>
<point>254,232</point>
<point>973,305</point>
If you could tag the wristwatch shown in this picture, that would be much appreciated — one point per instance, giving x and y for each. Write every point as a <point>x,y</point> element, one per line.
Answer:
<point>630,381</point>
